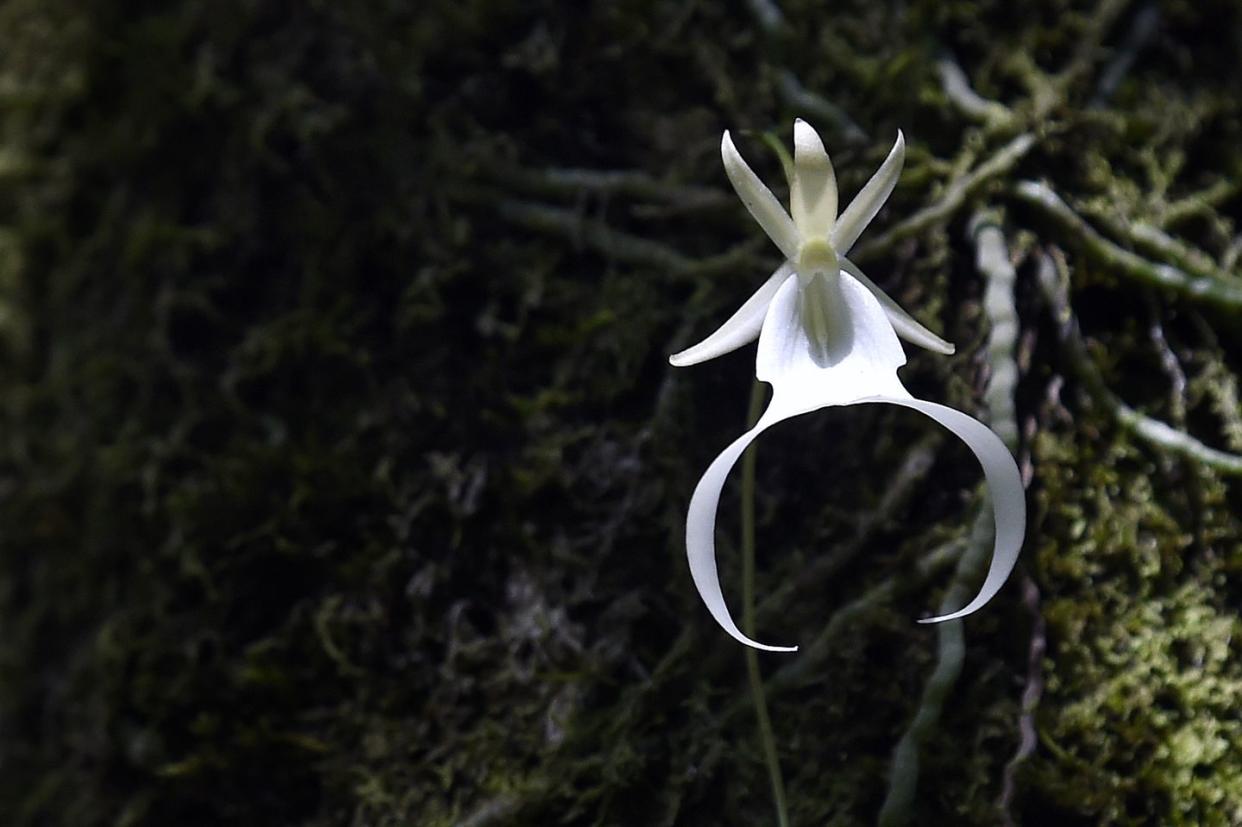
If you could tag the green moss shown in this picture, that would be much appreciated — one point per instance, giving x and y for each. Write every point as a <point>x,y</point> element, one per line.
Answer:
<point>1136,717</point>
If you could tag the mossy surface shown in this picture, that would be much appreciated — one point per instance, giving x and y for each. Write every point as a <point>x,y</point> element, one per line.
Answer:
<point>343,475</point>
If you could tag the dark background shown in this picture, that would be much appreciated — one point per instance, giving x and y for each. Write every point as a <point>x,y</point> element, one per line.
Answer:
<point>343,475</point>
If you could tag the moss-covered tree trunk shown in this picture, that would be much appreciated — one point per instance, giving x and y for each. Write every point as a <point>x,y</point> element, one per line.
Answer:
<point>343,474</point>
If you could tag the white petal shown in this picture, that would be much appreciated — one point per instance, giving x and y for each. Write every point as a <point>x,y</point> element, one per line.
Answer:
<point>759,200</point>
<point>701,536</point>
<point>742,328</point>
<point>813,191</point>
<point>869,200</point>
<point>907,326</point>
<point>1004,485</point>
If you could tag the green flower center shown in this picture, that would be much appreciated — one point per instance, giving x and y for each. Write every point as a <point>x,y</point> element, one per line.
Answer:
<point>815,257</point>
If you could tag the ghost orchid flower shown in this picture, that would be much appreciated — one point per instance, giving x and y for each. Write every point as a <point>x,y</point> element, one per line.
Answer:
<point>828,336</point>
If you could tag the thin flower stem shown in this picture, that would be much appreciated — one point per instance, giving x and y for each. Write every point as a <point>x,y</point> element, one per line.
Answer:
<point>766,737</point>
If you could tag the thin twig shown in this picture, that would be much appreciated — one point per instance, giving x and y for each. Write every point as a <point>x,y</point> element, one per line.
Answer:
<point>1201,203</point>
<point>961,94</point>
<point>502,808</point>
<point>803,100</point>
<point>1031,693</point>
<point>1053,281</point>
<point>992,260</point>
<point>615,244</point>
<point>1229,259</point>
<point>1177,442</point>
<point>1175,251</point>
<point>568,181</point>
<point>1141,32</point>
<point>1088,43</point>
<point>1207,289</point>
<point>1172,367</point>
<point>952,199</point>
<point>768,15</point>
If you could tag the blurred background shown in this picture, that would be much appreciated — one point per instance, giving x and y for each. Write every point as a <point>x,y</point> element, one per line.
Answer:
<point>343,475</point>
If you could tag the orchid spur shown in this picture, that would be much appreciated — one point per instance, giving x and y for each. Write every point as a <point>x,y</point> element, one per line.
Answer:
<point>828,336</point>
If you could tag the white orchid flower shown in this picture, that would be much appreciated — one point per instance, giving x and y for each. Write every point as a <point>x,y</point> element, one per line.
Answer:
<point>828,336</point>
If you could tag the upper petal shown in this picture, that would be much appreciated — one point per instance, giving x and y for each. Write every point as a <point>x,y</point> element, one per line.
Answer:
<point>741,328</point>
<point>869,200</point>
<point>813,191</point>
<point>759,200</point>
